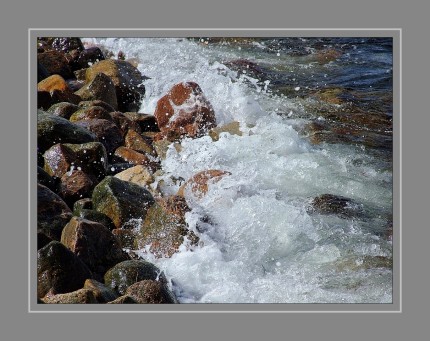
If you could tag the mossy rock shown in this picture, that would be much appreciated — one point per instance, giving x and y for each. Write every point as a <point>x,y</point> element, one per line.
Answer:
<point>126,273</point>
<point>93,112</point>
<point>63,109</point>
<point>121,200</point>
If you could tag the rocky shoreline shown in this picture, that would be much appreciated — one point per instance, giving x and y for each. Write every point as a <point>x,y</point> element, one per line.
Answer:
<point>97,160</point>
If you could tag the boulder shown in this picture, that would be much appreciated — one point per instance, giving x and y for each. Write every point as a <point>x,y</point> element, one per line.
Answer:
<point>146,122</point>
<point>336,204</point>
<point>55,63</point>
<point>184,111</point>
<point>93,215</point>
<point>52,129</point>
<point>121,200</point>
<point>124,154</point>
<point>81,296</point>
<point>126,273</point>
<point>232,128</point>
<point>115,168</point>
<point>96,103</point>
<point>58,90</point>
<point>63,109</point>
<point>107,133</point>
<point>59,270</point>
<point>67,44</point>
<point>138,143</point>
<point>42,73</point>
<point>124,123</point>
<point>100,88</point>
<point>52,213</point>
<point>126,78</point>
<point>45,179</point>
<point>149,291</point>
<point>42,240</point>
<point>93,243</point>
<point>102,293</point>
<point>125,237</point>
<point>81,204</point>
<point>139,175</point>
<point>76,185</point>
<point>89,113</point>
<point>87,58</point>
<point>198,184</point>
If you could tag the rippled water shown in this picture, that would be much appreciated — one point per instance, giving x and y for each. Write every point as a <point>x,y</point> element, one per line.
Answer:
<point>261,244</point>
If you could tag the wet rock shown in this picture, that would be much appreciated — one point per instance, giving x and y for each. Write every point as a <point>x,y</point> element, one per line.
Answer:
<point>93,215</point>
<point>90,157</point>
<point>63,109</point>
<point>124,300</point>
<point>89,113</point>
<point>121,200</point>
<point>67,44</point>
<point>44,100</point>
<point>82,204</point>
<point>102,293</point>
<point>53,129</point>
<point>198,184</point>
<point>164,230</point>
<point>326,56</point>
<point>125,237</point>
<point>96,103</point>
<point>126,273</point>
<point>81,296</point>
<point>75,85</point>
<point>42,73</point>
<point>87,58</point>
<point>59,270</point>
<point>124,123</point>
<point>115,168</point>
<point>42,240</point>
<point>149,291</point>
<point>184,111</point>
<point>146,122</point>
<point>55,63</point>
<point>58,90</point>
<point>161,147</point>
<point>52,213</point>
<point>123,154</point>
<point>45,179</point>
<point>244,66</point>
<point>139,175</point>
<point>364,263</point>
<point>232,128</point>
<point>100,88</point>
<point>76,185</point>
<point>135,141</point>
<point>93,243</point>
<point>126,78</point>
<point>107,133</point>
<point>336,204</point>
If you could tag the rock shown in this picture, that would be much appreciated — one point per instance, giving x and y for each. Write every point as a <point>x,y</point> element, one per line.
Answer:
<point>364,263</point>
<point>45,179</point>
<point>198,184</point>
<point>135,141</point>
<point>123,154</point>
<point>76,185</point>
<point>97,103</point>
<point>161,147</point>
<point>81,296</point>
<point>247,67</point>
<point>89,113</point>
<point>93,243</point>
<point>184,111</point>
<point>52,213</point>
<point>149,291</point>
<point>123,300</point>
<point>44,100</point>
<point>232,128</point>
<point>55,63</point>
<point>124,123</point>
<point>125,237</point>
<point>58,90</point>
<point>59,270</point>
<point>163,230</point>
<point>102,293</point>
<point>326,56</point>
<point>93,215</point>
<point>67,44</point>
<point>139,175</point>
<point>82,204</point>
<point>121,200</point>
<point>42,73</point>
<point>88,57</point>
<point>90,157</point>
<point>107,133</point>
<point>42,240</point>
<point>336,204</point>
<point>63,109</point>
<point>146,122</point>
<point>126,78</point>
<point>115,168</point>
<point>53,129</point>
<point>80,75</point>
<point>100,88</point>
<point>126,273</point>
<point>75,85</point>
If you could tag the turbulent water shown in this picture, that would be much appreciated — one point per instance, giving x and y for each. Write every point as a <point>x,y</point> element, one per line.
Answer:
<point>262,244</point>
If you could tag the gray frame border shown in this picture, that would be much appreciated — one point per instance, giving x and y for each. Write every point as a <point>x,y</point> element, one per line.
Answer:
<point>395,307</point>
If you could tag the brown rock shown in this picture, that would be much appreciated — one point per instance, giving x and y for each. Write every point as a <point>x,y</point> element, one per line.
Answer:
<point>67,44</point>
<point>58,90</point>
<point>146,122</point>
<point>149,291</point>
<point>96,103</point>
<point>326,56</point>
<point>88,57</point>
<point>124,154</point>
<point>93,243</point>
<point>231,128</point>
<point>100,88</point>
<point>135,141</point>
<point>76,185</point>
<point>102,293</point>
<point>89,113</point>
<point>125,237</point>
<point>198,184</point>
<point>58,160</point>
<point>55,63</point>
<point>124,300</point>
<point>124,123</point>
<point>63,109</point>
<point>139,175</point>
<point>81,296</point>
<point>184,111</point>
<point>126,78</point>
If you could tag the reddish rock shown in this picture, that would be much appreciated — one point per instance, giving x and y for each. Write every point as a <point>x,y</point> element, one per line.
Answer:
<point>124,154</point>
<point>184,111</point>
<point>58,90</point>
<point>124,123</point>
<point>89,113</point>
<point>76,185</point>
<point>135,141</point>
<point>55,63</point>
<point>93,243</point>
<point>198,184</point>
<point>152,292</point>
